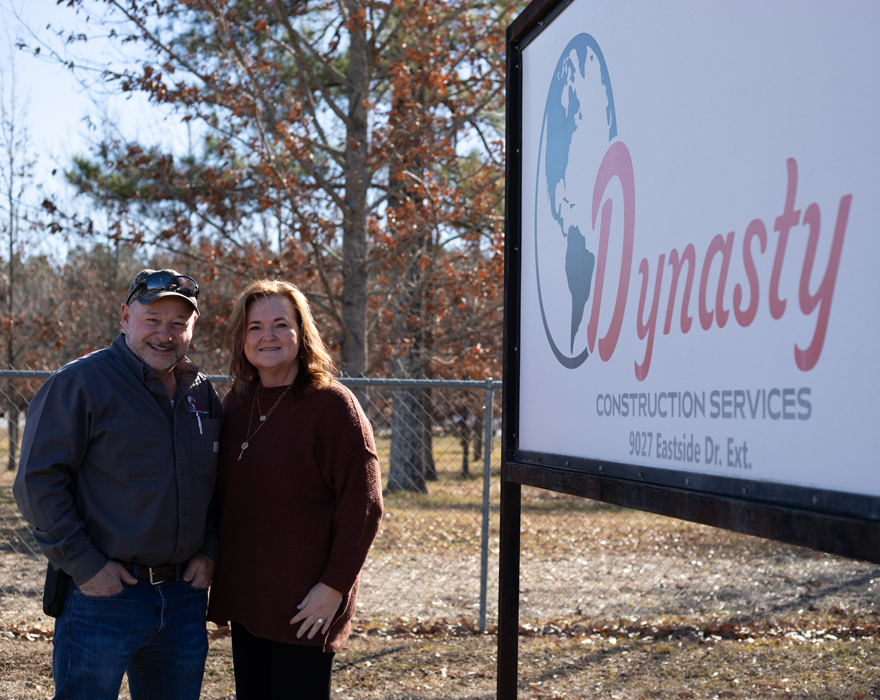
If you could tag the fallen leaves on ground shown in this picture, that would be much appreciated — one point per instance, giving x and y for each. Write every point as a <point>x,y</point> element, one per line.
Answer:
<point>22,630</point>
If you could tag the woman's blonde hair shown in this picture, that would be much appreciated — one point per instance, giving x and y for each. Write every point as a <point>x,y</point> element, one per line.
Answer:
<point>316,366</point>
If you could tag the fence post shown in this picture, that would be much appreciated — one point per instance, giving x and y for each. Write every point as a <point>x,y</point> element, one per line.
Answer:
<point>487,478</point>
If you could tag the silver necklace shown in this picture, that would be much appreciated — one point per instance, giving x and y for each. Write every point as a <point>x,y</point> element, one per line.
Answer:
<point>263,418</point>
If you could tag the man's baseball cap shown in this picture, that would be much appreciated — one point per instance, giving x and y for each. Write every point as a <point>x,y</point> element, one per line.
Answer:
<point>149,285</point>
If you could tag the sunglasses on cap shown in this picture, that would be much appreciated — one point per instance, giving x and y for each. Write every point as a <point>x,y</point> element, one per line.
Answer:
<point>178,284</point>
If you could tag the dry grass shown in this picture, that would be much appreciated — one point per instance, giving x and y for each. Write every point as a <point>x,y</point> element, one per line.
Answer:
<point>615,604</point>
<point>592,666</point>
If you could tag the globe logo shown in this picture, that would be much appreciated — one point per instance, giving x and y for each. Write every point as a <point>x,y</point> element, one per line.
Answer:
<point>579,122</point>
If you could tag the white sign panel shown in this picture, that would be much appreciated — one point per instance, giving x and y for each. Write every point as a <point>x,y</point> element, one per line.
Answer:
<point>700,213</point>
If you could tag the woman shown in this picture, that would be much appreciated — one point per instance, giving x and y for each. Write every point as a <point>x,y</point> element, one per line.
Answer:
<point>300,497</point>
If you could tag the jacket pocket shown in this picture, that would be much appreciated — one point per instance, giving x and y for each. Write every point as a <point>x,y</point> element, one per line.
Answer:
<point>204,447</point>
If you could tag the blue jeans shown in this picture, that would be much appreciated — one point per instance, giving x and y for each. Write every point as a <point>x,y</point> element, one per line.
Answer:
<point>156,633</point>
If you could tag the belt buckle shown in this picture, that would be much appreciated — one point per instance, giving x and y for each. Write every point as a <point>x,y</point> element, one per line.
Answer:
<point>155,582</point>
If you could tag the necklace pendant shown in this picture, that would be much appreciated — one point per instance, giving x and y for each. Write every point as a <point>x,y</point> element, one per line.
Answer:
<point>244,446</point>
<point>262,418</point>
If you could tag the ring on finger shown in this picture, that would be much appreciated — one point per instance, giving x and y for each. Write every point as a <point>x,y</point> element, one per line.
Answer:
<point>320,620</point>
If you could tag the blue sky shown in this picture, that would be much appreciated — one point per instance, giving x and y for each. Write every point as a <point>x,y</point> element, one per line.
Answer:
<point>54,102</point>
<point>58,107</point>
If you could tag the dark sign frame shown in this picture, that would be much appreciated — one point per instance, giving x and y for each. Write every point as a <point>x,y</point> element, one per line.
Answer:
<point>829,521</point>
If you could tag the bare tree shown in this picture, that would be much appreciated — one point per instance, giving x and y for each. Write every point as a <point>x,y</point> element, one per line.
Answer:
<point>18,218</point>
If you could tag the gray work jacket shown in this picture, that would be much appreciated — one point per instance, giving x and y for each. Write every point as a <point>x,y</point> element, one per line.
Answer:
<point>110,469</point>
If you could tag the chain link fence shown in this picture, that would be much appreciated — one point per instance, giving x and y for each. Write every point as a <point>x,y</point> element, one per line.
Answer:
<point>436,556</point>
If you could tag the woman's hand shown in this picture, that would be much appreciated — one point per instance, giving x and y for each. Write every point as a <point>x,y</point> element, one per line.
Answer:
<point>317,610</point>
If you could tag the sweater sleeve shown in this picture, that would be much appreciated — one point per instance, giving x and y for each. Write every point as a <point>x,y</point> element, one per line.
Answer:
<point>351,466</point>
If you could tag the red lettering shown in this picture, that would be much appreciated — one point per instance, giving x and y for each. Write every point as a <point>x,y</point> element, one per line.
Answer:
<point>601,258</point>
<point>784,222</point>
<point>807,359</point>
<point>744,318</point>
<point>617,162</point>
<point>643,330</point>
<point>718,245</point>
<point>690,256</point>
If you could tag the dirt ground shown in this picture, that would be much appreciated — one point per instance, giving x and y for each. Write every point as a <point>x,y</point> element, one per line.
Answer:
<point>689,619</point>
<point>613,604</point>
<point>838,660</point>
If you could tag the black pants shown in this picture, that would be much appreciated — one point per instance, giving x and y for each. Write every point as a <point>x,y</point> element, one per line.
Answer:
<point>269,670</point>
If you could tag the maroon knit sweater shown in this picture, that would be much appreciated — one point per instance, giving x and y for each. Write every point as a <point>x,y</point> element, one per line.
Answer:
<point>303,505</point>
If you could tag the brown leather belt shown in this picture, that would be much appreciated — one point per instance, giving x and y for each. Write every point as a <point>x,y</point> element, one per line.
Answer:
<point>156,574</point>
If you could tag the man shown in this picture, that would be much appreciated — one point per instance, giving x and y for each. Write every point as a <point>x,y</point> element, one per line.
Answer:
<point>117,471</point>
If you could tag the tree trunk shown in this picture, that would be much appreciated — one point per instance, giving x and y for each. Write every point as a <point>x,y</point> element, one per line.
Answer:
<point>428,437</point>
<point>412,459</point>
<point>410,424</point>
<point>12,414</point>
<point>465,451</point>
<point>407,469</point>
<point>354,234</point>
<point>11,408</point>
<point>478,439</point>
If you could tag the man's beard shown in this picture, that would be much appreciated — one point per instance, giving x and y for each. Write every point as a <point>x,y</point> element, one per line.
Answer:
<point>158,363</point>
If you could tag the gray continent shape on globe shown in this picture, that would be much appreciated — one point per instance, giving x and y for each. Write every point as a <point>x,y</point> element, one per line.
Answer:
<point>561,123</point>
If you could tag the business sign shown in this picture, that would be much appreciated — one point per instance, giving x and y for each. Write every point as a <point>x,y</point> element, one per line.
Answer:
<point>697,247</point>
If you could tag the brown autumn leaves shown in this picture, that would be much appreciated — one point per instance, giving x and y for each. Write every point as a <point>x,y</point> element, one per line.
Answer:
<point>354,148</point>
